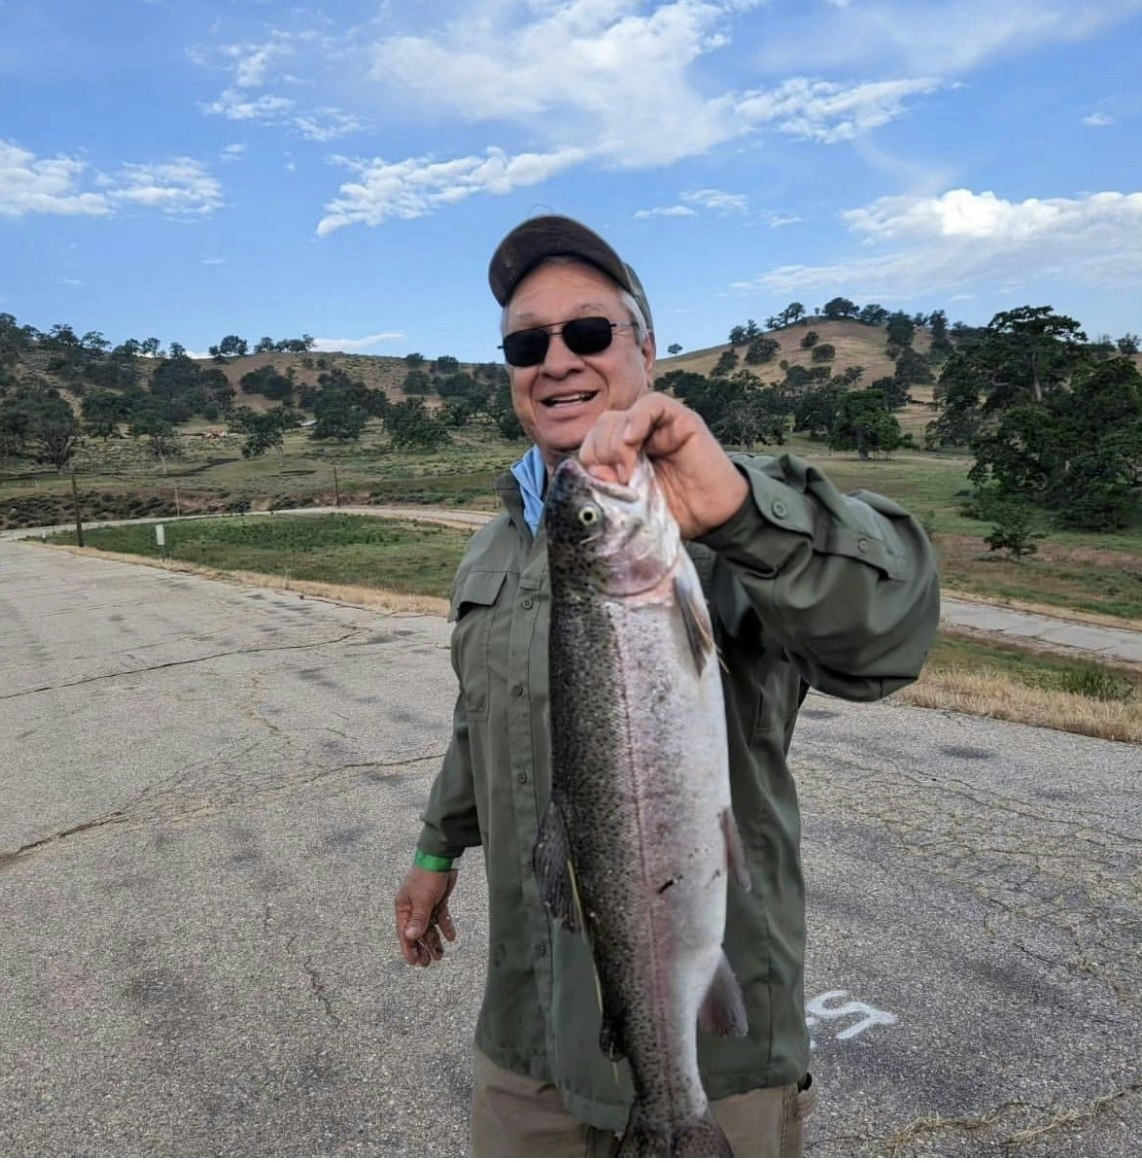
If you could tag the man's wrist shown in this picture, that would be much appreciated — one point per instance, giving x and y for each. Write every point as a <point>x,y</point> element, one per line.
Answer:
<point>432,863</point>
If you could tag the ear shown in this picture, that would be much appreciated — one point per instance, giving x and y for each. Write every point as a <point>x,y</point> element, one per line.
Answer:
<point>648,355</point>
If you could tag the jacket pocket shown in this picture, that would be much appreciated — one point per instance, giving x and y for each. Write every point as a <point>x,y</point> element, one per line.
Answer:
<point>473,610</point>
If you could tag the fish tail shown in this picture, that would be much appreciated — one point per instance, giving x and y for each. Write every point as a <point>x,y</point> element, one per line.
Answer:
<point>699,1138</point>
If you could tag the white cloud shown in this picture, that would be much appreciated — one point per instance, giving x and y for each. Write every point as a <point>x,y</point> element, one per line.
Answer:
<point>694,200</point>
<point>212,262</point>
<point>326,124</point>
<point>718,200</point>
<point>361,344</point>
<point>1098,120</point>
<point>945,39</point>
<point>181,188</point>
<point>236,105</point>
<point>256,66</point>
<point>829,112</point>
<point>666,212</point>
<point>605,77</point>
<point>774,219</point>
<point>32,185</point>
<point>960,238</point>
<point>416,186</point>
<point>233,153</point>
<point>252,63</point>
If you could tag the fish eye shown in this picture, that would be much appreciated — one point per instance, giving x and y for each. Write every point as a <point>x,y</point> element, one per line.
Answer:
<point>588,515</point>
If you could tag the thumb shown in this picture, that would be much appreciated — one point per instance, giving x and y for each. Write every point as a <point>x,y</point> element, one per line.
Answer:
<point>417,923</point>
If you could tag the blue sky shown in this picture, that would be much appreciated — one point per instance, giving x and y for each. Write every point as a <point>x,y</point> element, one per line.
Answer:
<point>191,170</point>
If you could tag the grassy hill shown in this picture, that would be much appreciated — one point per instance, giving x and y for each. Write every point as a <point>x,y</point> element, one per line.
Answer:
<point>857,345</point>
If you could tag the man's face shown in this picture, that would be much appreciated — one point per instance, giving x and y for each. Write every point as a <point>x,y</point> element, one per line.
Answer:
<point>559,400</point>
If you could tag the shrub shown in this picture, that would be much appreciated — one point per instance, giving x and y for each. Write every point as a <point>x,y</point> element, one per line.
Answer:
<point>1012,530</point>
<point>1095,682</point>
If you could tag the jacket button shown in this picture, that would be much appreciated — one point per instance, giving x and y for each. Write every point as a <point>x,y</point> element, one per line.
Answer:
<point>527,603</point>
<point>517,688</point>
<point>541,949</point>
<point>522,777</point>
<point>779,509</point>
<point>862,545</point>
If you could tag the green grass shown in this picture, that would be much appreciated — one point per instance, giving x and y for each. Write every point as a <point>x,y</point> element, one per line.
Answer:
<point>1038,669</point>
<point>402,556</point>
<point>1098,573</point>
<point>414,558</point>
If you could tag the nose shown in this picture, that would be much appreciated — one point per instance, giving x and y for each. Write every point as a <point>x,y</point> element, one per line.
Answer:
<point>560,359</point>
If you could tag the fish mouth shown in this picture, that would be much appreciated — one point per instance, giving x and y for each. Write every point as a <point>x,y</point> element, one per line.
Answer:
<point>628,493</point>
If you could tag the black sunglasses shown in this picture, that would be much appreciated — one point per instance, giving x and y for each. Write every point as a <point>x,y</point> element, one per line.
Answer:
<point>587,336</point>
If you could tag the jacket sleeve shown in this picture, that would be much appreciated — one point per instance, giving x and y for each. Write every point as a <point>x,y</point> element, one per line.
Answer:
<point>846,585</point>
<point>450,820</point>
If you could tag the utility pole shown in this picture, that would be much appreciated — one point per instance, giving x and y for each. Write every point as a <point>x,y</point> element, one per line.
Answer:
<point>75,502</point>
<point>336,490</point>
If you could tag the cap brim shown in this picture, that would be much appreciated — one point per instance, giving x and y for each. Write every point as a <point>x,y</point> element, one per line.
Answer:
<point>542,238</point>
<point>539,238</point>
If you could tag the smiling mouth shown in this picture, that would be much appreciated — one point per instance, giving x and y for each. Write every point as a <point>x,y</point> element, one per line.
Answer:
<point>569,400</point>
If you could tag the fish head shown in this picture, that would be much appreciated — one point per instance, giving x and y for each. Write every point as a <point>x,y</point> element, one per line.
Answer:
<point>606,537</point>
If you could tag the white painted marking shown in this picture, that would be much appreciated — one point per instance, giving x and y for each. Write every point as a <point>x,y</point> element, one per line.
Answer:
<point>819,1010</point>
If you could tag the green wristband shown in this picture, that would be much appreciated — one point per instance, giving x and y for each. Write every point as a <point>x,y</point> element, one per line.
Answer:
<point>433,863</point>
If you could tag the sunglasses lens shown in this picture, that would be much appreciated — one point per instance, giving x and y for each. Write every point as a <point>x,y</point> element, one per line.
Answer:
<point>588,336</point>
<point>526,348</point>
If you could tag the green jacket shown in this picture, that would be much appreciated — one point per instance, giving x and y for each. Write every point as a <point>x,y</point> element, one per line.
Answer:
<point>806,588</point>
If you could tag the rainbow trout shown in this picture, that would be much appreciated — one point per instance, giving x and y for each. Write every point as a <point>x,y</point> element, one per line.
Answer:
<point>638,841</point>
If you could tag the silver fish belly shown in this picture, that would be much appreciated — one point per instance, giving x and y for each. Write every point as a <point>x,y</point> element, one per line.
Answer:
<point>638,843</point>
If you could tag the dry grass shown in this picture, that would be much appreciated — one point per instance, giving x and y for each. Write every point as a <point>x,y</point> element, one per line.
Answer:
<point>856,344</point>
<point>996,696</point>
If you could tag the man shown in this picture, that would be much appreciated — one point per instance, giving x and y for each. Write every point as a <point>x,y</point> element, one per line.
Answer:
<point>805,588</point>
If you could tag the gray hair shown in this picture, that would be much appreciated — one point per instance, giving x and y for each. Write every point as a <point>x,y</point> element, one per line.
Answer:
<point>625,297</point>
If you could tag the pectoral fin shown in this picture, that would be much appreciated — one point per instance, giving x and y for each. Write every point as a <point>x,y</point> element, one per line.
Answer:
<point>723,1011</point>
<point>551,860</point>
<point>696,619</point>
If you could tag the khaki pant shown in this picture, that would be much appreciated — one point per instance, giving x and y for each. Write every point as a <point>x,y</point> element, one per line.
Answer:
<point>518,1117</point>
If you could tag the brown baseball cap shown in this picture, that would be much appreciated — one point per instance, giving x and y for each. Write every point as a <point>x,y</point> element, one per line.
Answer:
<point>536,239</point>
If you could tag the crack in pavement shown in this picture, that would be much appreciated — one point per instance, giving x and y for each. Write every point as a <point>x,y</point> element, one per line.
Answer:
<point>177,662</point>
<point>319,990</point>
<point>1058,1115</point>
<point>7,859</point>
<point>129,814</point>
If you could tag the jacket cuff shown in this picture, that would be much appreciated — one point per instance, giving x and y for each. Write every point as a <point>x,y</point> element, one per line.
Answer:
<point>432,844</point>
<point>749,539</point>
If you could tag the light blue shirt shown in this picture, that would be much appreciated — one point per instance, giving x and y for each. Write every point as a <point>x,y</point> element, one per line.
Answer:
<point>531,473</point>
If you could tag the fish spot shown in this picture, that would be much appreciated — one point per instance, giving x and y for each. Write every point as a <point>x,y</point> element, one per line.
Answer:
<point>669,884</point>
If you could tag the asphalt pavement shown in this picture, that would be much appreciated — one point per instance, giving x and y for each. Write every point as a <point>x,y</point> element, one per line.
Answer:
<point>1113,644</point>
<point>211,794</point>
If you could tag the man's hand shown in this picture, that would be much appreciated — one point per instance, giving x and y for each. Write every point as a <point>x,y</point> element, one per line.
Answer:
<point>702,487</point>
<point>422,915</point>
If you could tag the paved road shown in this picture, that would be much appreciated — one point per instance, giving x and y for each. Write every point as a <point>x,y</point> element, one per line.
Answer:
<point>1062,634</point>
<point>210,794</point>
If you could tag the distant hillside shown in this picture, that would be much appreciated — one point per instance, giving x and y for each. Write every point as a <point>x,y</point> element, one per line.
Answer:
<point>384,373</point>
<point>857,345</point>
